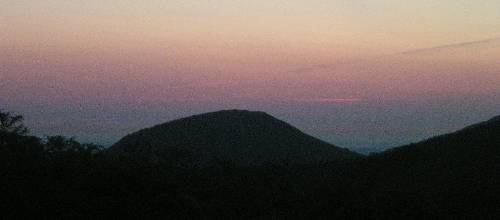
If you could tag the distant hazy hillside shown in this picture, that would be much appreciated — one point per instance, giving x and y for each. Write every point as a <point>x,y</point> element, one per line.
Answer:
<point>242,137</point>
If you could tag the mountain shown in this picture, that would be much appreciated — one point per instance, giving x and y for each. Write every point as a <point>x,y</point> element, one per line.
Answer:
<point>453,176</point>
<point>479,141</point>
<point>242,137</point>
<point>448,175</point>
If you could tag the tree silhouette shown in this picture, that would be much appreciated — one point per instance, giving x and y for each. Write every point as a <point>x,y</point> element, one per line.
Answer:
<point>12,129</point>
<point>13,124</point>
<point>448,177</point>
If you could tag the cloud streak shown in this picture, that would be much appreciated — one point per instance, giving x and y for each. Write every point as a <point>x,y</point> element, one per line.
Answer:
<point>336,65</point>
<point>451,46</point>
<point>331,100</point>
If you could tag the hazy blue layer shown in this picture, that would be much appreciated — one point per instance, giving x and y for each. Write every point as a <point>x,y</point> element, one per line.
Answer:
<point>361,126</point>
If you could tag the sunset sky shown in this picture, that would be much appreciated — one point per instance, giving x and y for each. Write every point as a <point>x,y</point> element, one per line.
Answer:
<point>360,74</point>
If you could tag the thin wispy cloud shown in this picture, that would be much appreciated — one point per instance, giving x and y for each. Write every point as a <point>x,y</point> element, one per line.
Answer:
<point>331,66</point>
<point>337,100</point>
<point>451,46</point>
<point>336,65</point>
<point>331,100</point>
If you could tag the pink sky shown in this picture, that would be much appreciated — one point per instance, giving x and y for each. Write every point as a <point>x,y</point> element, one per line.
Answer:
<point>245,53</point>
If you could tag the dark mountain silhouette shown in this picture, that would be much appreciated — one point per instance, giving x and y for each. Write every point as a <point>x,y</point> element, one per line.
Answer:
<point>455,174</point>
<point>238,136</point>
<point>481,138</point>
<point>452,176</point>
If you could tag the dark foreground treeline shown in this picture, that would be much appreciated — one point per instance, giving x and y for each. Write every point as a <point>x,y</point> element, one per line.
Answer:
<point>59,178</point>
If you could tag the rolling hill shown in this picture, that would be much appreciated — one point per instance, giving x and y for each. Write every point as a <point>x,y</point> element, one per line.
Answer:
<point>454,175</point>
<point>242,137</point>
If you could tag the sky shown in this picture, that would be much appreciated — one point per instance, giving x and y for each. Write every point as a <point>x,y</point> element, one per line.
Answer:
<point>364,74</point>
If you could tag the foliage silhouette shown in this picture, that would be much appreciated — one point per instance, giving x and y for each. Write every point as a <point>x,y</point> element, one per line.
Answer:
<point>450,176</point>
